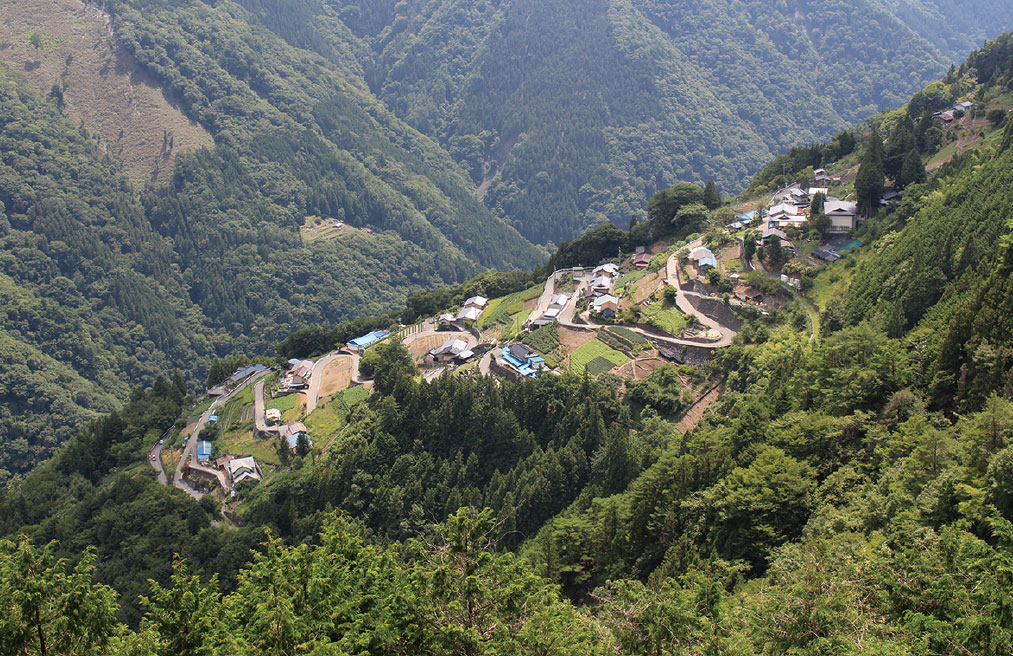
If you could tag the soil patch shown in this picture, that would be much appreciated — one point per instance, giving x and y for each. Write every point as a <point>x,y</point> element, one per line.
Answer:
<point>639,369</point>
<point>716,310</point>
<point>696,412</point>
<point>337,376</point>
<point>574,339</point>
<point>422,345</point>
<point>646,286</point>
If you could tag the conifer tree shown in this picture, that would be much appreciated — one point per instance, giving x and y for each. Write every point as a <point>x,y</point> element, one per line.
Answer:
<point>869,182</point>
<point>711,195</point>
<point>912,171</point>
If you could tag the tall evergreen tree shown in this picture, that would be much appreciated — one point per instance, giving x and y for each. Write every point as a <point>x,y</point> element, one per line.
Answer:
<point>869,182</point>
<point>711,195</point>
<point>902,140</point>
<point>912,171</point>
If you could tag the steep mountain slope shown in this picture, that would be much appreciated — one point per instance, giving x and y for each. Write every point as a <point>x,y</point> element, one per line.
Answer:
<point>66,48</point>
<point>103,289</point>
<point>568,114</point>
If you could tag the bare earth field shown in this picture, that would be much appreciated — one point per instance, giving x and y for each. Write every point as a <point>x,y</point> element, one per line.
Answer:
<point>337,376</point>
<point>103,86</point>
<point>639,369</point>
<point>422,345</point>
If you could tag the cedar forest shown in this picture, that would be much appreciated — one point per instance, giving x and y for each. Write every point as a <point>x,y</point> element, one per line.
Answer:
<point>851,493</point>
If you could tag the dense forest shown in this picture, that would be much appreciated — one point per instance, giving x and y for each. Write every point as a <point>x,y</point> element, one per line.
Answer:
<point>572,113</point>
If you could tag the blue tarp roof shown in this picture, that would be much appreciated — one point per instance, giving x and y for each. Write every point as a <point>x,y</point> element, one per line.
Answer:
<point>746,216</point>
<point>852,245</point>
<point>213,418</point>
<point>709,261</point>
<point>368,340</point>
<point>203,450</point>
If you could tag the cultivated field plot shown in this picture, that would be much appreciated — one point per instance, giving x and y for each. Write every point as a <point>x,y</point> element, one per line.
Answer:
<point>422,345</point>
<point>628,334</point>
<point>291,406</point>
<point>666,317</point>
<point>597,357</point>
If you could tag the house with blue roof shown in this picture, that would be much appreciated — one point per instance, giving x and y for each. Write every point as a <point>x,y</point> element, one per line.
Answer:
<point>522,358</point>
<point>203,450</point>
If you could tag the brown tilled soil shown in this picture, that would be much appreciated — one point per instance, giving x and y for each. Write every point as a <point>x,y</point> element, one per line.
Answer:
<point>337,376</point>
<point>639,369</point>
<point>531,303</point>
<point>419,347</point>
<point>574,339</point>
<point>104,87</point>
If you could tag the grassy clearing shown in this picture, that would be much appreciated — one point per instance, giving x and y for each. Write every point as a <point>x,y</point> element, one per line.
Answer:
<point>501,310</point>
<point>593,350</point>
<point>627,280</point>
<point>243,443</point>
<point>291,406</point>
<point>666,318</point>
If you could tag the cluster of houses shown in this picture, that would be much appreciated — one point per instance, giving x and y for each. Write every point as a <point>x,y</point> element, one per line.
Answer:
<point>947,116</point>
<point>291,432</point>
<point>469,313</point>
<point>453,351</point>
<point>603,279</point>
<point>642,258</point>
<point>703,258</point>
<point>473,308</point>
<point>792,208</point>
<point>240,470</point>
<point>229,470</point>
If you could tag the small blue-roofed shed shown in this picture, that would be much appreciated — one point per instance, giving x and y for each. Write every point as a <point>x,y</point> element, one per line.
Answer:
<point>204,450</point>
<point>368,340</point>
<point>213,419</point>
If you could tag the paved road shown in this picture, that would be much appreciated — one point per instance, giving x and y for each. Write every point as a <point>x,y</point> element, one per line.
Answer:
<point>259,422</point>
<point>316,378</point>
<point>567,315</point>
<point>155,458</point>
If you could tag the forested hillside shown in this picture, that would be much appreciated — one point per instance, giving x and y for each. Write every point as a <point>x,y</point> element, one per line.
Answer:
<point>570,113</point>
<point>365,153</point>
<point>850,493</point>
